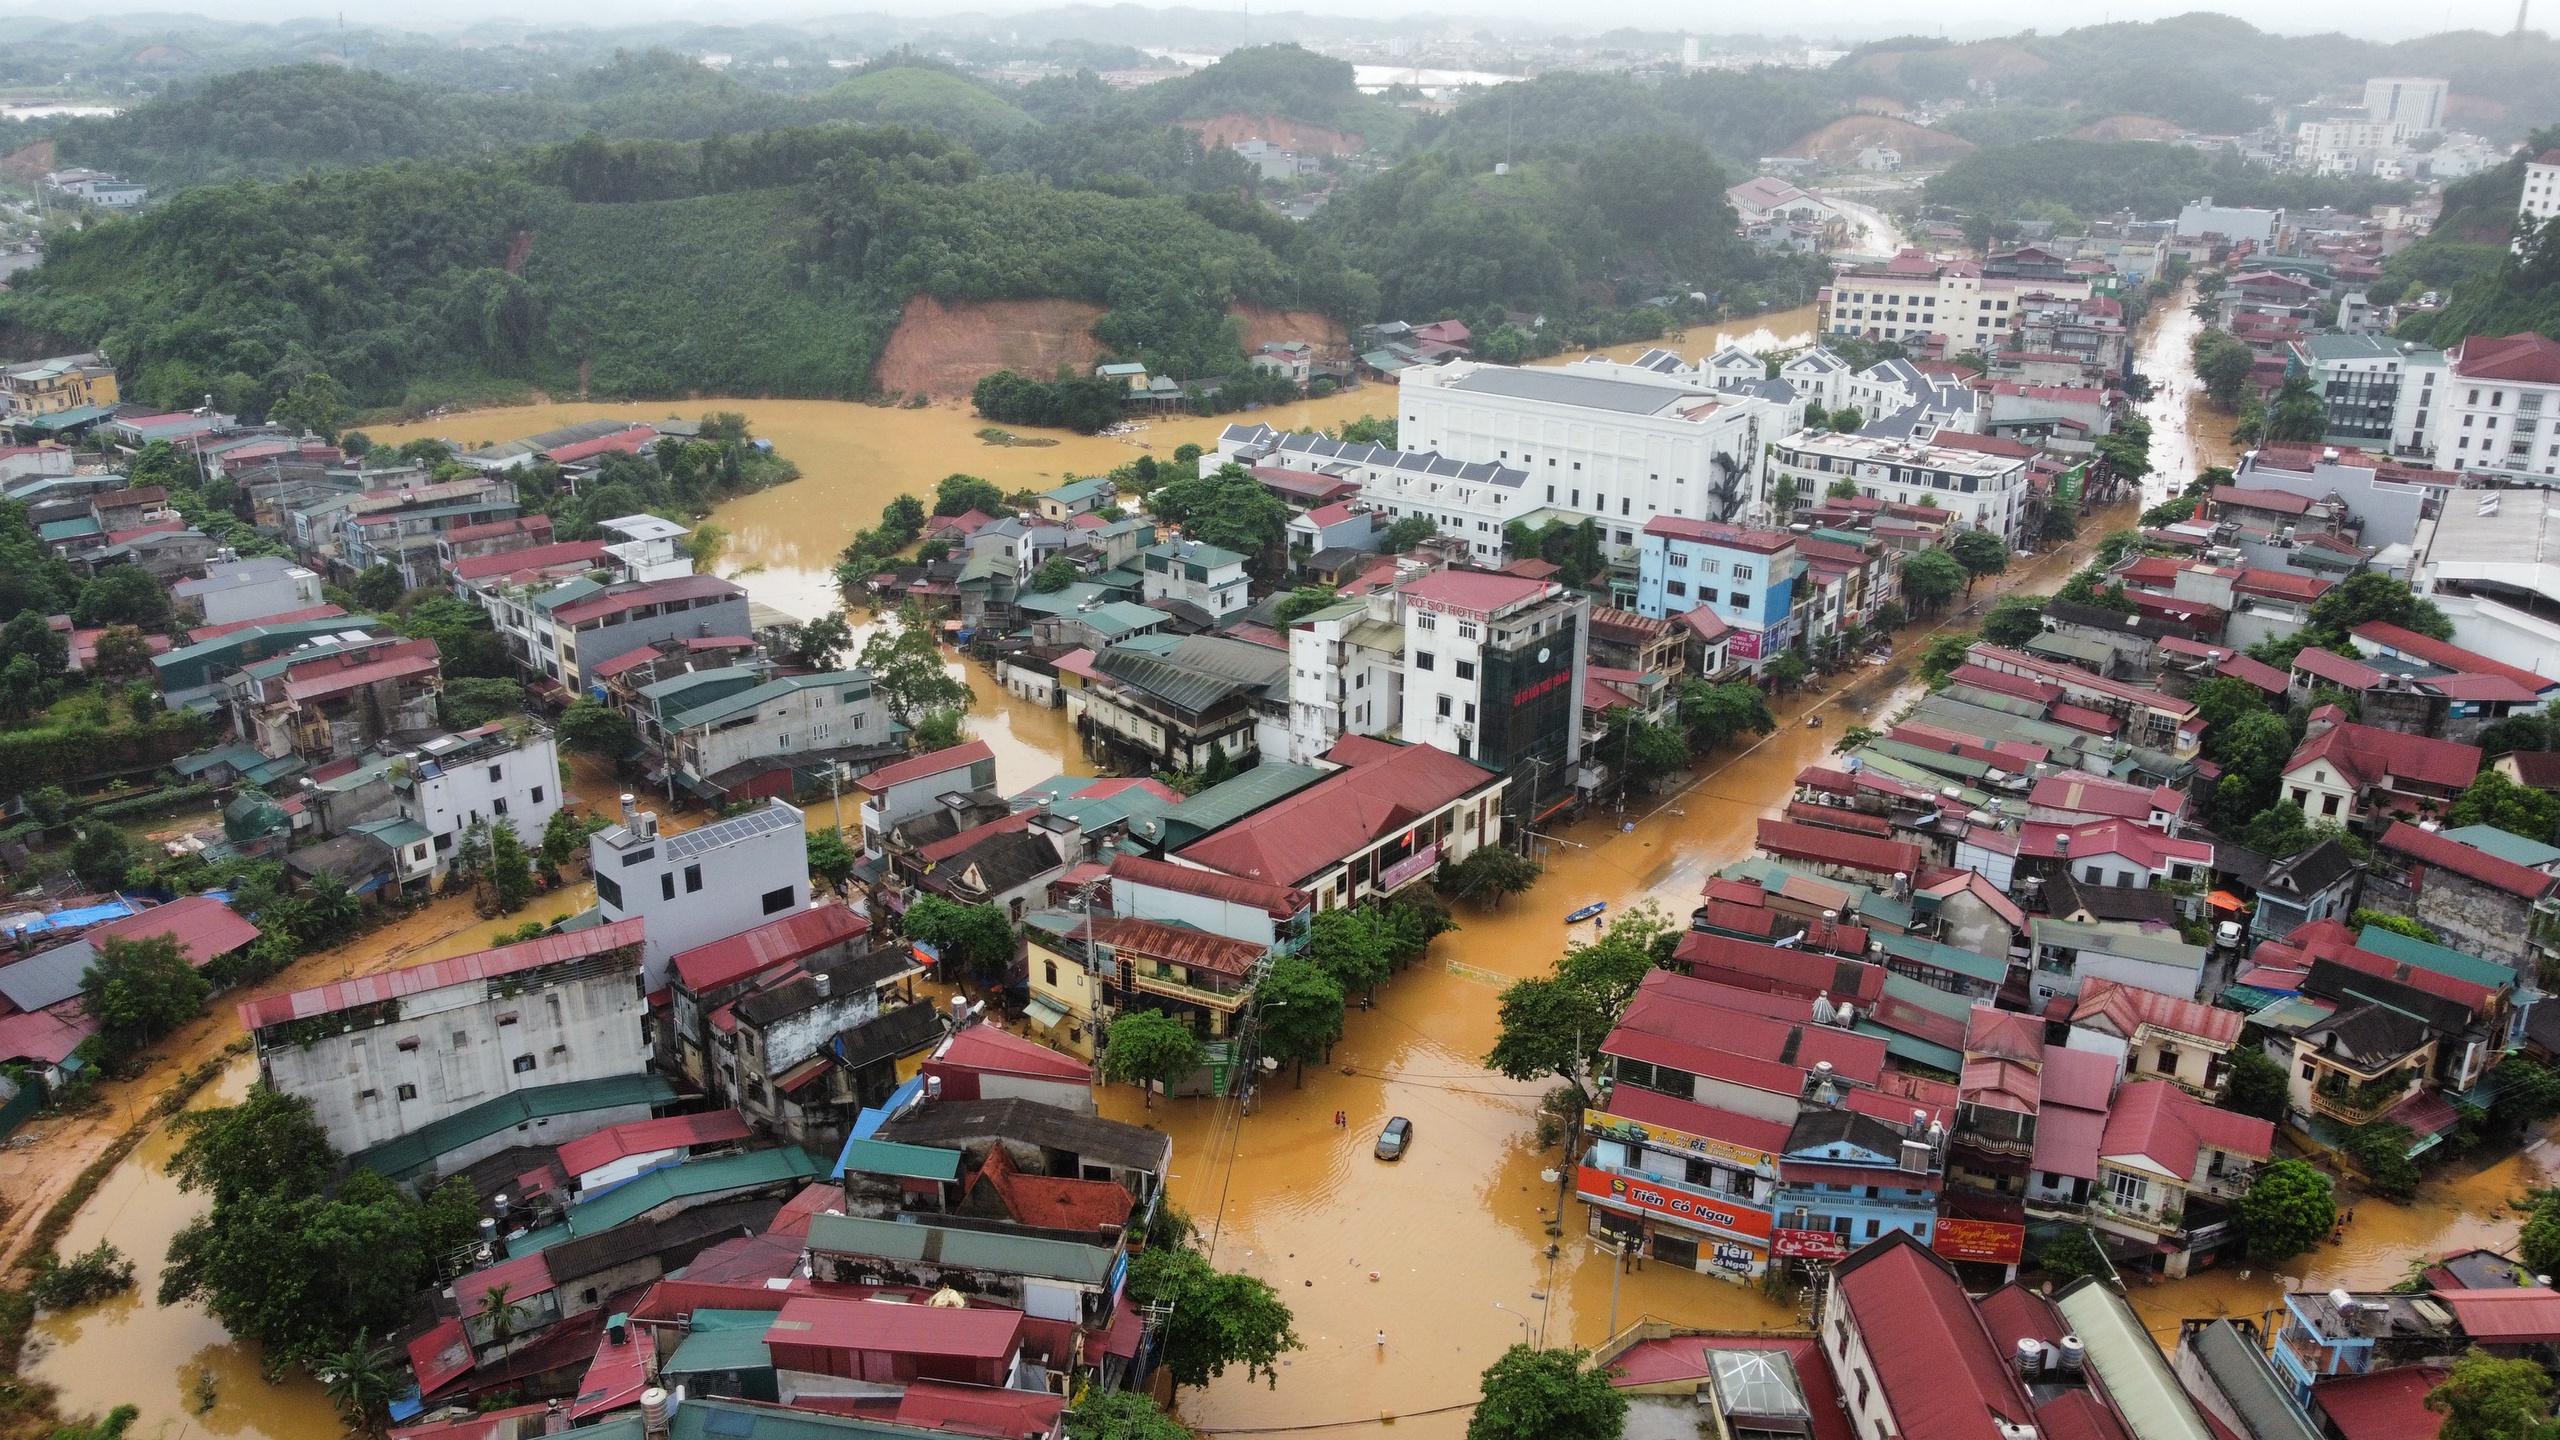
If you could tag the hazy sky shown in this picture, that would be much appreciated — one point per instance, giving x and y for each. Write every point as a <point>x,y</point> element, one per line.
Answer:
<point>1850,18</point>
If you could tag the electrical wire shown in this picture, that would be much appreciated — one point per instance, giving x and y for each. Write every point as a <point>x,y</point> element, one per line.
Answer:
<point>1334,1424</point>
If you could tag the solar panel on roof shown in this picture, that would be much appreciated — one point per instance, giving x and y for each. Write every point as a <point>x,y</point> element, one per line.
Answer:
<point>728,832</point>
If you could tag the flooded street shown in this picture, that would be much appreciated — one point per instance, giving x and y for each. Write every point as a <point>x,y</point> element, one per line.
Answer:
<point>2187,433</point>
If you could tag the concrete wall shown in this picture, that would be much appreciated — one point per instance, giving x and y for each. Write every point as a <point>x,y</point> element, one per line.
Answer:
<point>468,1047</point>
<point>639,878</point>
<point>724,616</point>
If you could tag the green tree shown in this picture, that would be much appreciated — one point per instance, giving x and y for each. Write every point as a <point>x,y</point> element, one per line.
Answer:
<point>377,587</point>
<point>2493,799</point>
<point>1646,752</point>
<point>1554,1024</point>
<point>907,670</point>
<point>958,494</point>
<point>1301,1010</point>
<point>469,703</point>
<point>313,404</point>
<point>1148,1048</point>
<point>268,1144</point>
<point>140,990</point>
<point>2289,1207</point>
<point>84,1279</point>
<point>122,653</point>
<point>1350,945</point>
<point>1841,489</point>
<point>1845,420</point>
<point>1787,669</point>
<point>831,860</point>
<point>1493,871</point>
<point>2381,1151</point>
<point>822,642</point>
<point>1406,533</point>
<point>562,838</point>
<point>1548,1395</point>
<point>2486,1398</point>
<point>2539,1246</point>
<point>939,730</point>
<point>2362,916</point>
<point>591,727</point>
<point>2297,414</point>
<point>1716,714</point>
<point>510,869</point>
<point>2222,365</point>
<point>100,856</point>
<point>28,635</point>
<point>2255,1084</point>
<point>361,1381</point>
<point>2368,596</point>
<point>1943,655</point>
<point>978,938</point>
<point>1981,553</point>
<point>1055,574</point>
<point>1931,579</point>
<point>2277,831</point>
<point>1218,1319</point>
<point>1228,509</point>
<point>1122,1415</point>
<point>1300,603</point>
<point>2014,621</point>
<point>122,595</point>
<point>2072,1253</point>
<point>2528,1093</point>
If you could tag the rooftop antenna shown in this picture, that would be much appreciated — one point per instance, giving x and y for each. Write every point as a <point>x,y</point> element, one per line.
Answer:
<point>2522,6</point>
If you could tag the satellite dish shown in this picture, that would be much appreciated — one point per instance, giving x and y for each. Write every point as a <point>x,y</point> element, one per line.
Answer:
<point>1542,655</point>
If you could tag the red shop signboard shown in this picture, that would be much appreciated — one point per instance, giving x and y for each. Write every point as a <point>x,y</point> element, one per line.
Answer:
<point>1986,1240</point>
<point>1808,1245</point>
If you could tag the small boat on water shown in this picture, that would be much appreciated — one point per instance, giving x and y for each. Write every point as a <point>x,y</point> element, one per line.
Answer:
<point>1587,912</point>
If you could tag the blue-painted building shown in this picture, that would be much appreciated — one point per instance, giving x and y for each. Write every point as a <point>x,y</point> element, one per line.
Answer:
<point>1745,578</point>
<point>1860,1177</point>
<point>2329,1333</point>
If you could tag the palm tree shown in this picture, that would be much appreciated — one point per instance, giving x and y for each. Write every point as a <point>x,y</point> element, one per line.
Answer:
<point>502,1313</point>
<point>361,1381</point>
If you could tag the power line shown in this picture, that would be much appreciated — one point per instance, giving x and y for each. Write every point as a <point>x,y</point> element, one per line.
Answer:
<point>1333,1424</point>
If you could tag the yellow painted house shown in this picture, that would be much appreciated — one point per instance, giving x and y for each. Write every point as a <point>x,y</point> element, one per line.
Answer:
<point>65,382</point>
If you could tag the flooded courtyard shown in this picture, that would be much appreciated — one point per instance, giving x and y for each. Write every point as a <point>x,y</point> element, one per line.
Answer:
<point>1406,1278</point>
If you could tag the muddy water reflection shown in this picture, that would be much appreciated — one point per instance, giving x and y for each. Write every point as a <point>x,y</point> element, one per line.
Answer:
<point>132,1351</point>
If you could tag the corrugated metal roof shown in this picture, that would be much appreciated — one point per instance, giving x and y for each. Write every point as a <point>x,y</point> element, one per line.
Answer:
<point>961,1249</point>
<point>640,1137</point>
<point>706,968</point>
<point>428,1143</point>
<point>435,975</point>
<point>2139,1382</point>
<point>912,1162</point>
<point>625,1203</point>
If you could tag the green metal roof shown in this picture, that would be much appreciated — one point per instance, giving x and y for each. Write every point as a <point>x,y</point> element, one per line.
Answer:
<point>1193,552</point>
<point>2393,945</point>
<point>1120,617</point>
<point>1912,1048</point>
<point>908,1162</point>
<point>704,1418</point>
<point>2138,1379</point>
<point>1228,801</point>
<point>394,833</point>
<point>625,1203</point>
<point>1945,957</point>
<point>962,1249</point>
<point>235,755</point>
<point>2116,938</point>
<point>721,708</point>
<point>2506,845</point>
<point>61,420</point>
<point>1063,601</point>
<point>1076,491</point>
<point>723,1340</point>
<point>71,529</point>
<point>1934,760</point>
<point>425,1145</point>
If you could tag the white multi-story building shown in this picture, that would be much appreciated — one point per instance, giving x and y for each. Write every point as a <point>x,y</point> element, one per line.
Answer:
<point>234,592</point>
<point>454,782</point>
<point>1467,502</point>
<point>1202,575</point>
<point>2502,405</point>
<point>390,1054</point>
<point>2416,104</point>
<point>1978,487</point>
<point>814,717</point>
<point>2541,199</point>
<point>1613,444</point>
<point>649,547</point>
<point>1915,296</point>
<point>2347,147</point>
<point>1494,667</point>
<point>2234,223</point>
<point>703,885</point>
<point>1346,675</point>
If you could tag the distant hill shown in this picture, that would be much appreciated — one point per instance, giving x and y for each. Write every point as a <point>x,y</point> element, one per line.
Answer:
<point>2129,127</point>
<point>1840,142</point>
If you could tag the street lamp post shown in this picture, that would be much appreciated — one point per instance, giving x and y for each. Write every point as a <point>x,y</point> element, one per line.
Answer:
<point>1526,1334</point>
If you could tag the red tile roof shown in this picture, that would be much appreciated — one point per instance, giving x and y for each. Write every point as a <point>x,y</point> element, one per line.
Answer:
<point>2283,502</point>
<point>2004,1034</point>
<point>2337,669</point>
<point>2517,1316</point>
<point>1708,626</point>
<point>1753,966</point>
<point>2001,682</point>
<point>516,525</point>
<point>2128,1008</point>
<point>1789,840</point>
<point>1708,532</point>
<point>1051,1203</point>
<point>336,675</point>
<point>524,1276</point>
<point>441,1356</point>
<point>2081,1079</point>
<point>808,1322</point>
<point>2426,847</point>
<point>2366,755</point>
<point>1280,902</point>
<point>204,928</point>
<point>706,968</point>
<point>2450,656</point>
<point>2384,1405</point>
<point>642,1137</point>
<point>2528,357</point>
<point>436,974</point>
<point>627,442</point>
<point>1681,1358</point>
<point>1178,945</point>
<point>1933,1356</point>
<point>1693,1020</point>
<point>2169,1127</point>
<point>634,659</point>
<point>565,555</point>
<point>652,592</point>
<point>1386,789</point>
<point>986,1049</point>
<point>198,634</point>
<point>1473,592</point>
<point>2256,672</point>
<point>47,1036</point>
<point>2095,795</point>
<point>1768,1075</point>
<point>936,762</point>
<point>978,1409</point>
<point>2282,585</point>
